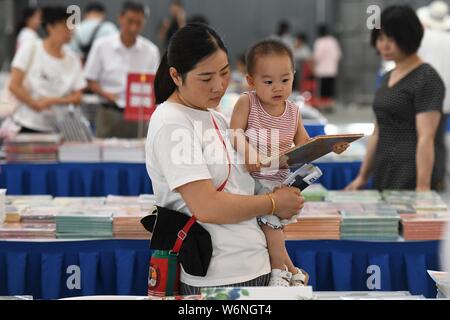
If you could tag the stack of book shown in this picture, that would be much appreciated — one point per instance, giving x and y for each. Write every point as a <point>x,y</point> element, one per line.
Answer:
<point>423,214</point>
<point>78,201</point>
<point>128,212</point>
<point>349,207</point>
<point>27,199</point>
<point>147,203</point>
<point>403,208</point>
<point>317,220</point>
<point>363,196</point>
<point>77,217</point>
<point>127,223</point>
<point>375,222</point>
<point>315,192</point>
<point>424,226</point>
<point>414,202</point>
<point>80,152</point>
<point>367,295</point>
<point>80,224</point>
<point>27,231</point>
<point>122,150</point>
<point>33,148</point>
<point>39,214</point>
<point>430,205</point>
<point>13,212</point>
<point>121,200</point>
<point>15,206</point>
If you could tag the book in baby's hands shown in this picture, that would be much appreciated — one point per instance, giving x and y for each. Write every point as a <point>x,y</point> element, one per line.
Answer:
<point>314,149</point>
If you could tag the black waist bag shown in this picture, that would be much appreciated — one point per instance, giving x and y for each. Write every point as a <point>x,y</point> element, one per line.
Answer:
<point>165,226</point>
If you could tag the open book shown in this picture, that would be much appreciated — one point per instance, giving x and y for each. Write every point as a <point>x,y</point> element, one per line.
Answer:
<point>312,150</point>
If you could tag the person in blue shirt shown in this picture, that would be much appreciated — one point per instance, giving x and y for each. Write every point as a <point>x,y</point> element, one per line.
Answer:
<point>92,27</point>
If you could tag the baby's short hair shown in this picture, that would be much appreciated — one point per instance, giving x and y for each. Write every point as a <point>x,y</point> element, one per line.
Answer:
<point>264,48</point>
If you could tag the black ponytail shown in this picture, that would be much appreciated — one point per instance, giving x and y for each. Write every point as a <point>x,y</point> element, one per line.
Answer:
<point>164,85</point>
<point>187,47</point>
<point>27,13</point>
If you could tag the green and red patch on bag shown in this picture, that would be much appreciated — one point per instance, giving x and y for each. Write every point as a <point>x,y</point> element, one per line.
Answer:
<point>164,274</point>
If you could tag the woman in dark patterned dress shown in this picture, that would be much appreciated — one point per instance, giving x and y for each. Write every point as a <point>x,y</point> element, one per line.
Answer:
<point>402,152</point>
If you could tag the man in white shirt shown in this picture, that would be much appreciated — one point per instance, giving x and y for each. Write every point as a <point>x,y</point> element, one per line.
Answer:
<point>110,61</point>
<point>91,28</point>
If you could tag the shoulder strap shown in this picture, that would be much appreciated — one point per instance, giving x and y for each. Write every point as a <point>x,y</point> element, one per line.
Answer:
<point>182,234</point>
<point>87,47</point>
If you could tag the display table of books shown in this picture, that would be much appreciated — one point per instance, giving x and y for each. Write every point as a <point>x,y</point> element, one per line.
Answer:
<point>45,164</point>
<point>55,269</point>
<point>346,241</point>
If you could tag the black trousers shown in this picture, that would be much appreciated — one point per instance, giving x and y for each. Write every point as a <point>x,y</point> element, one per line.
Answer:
<point>109,122</point>
<point>327,87</point>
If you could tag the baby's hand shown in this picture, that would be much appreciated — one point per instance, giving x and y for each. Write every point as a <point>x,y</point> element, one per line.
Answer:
<point>274,163</point>
<point>284,162</point>
<point>253,167</point>
<point>338,148</point>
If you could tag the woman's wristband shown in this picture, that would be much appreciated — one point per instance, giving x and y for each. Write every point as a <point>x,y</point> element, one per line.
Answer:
<point>274,207</point>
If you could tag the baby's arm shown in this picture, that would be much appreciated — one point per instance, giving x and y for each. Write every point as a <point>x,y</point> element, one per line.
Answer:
<point>238,124</point>
<point>301,136</point>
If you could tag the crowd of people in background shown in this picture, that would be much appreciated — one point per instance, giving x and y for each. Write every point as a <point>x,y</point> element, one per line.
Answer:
<point>99,44</point>
<point>104,52</point>
<point>316,68</point>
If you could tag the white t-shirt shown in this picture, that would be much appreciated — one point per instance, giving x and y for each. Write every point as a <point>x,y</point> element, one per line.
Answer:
<point>47,76</point>
<point>327,54</point>
<point>109,63</point>
<point>176,154</point>
<point>26,35</point>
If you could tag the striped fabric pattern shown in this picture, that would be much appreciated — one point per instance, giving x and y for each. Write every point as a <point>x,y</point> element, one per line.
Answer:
<point>271,135</point>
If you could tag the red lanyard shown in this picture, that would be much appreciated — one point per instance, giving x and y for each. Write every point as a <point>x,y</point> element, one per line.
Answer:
<point>222,186</point>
